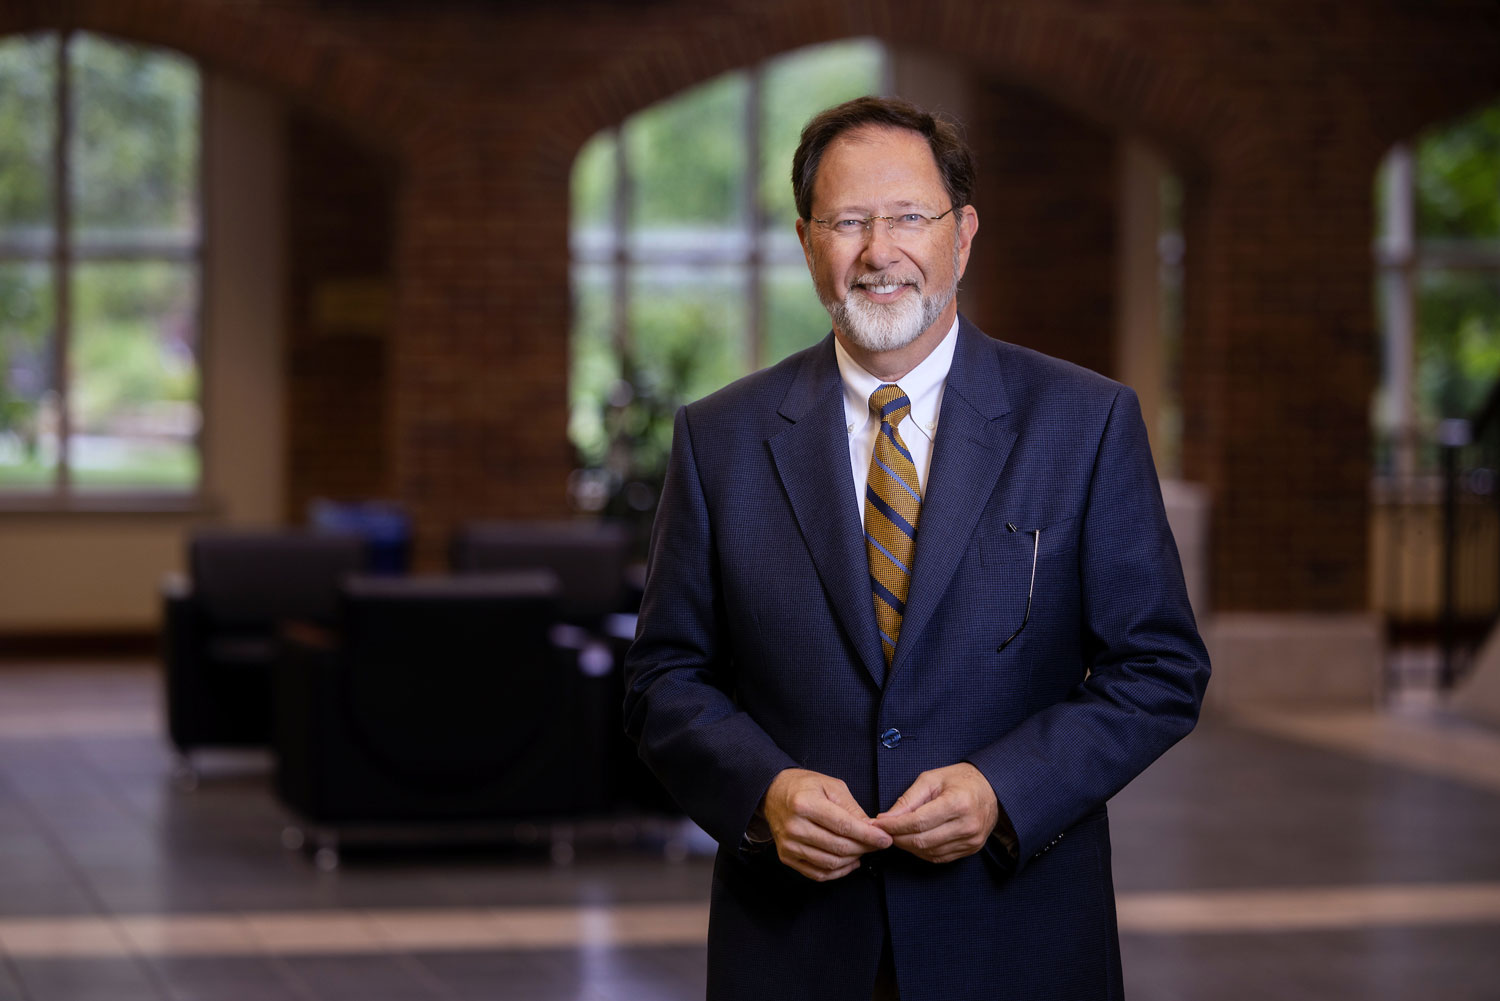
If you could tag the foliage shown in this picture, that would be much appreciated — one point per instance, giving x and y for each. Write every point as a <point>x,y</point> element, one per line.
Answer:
<point>1457,184</point>
<point>133,347</point>
<point>134,145</point>
<point>27,82</point>
<point>26,317</point>
<point>1458,342</point>
<point>1458,178</point>
<point>686,156</point>
<point>794,316</point>
<point>593,183</point>
<point>797,86</point>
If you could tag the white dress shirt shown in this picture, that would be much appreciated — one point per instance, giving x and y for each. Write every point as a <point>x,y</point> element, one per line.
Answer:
<point>923,386</point>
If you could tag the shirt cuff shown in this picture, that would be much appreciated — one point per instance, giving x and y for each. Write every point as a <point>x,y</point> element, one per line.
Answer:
<point>1003,838</point>
<point>759,832</point>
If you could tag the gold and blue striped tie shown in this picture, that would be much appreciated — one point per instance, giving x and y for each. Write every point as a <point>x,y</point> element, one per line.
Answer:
<point>892,505</point>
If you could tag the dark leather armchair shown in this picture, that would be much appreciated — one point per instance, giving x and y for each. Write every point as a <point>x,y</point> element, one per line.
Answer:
<point>588,557</point>
<point>592,562</point>
<point>220,625</point>
<point>437,699</point>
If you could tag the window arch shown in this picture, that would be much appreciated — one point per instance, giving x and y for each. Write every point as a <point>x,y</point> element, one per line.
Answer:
<point>100,252</point>
<point>686,270</point>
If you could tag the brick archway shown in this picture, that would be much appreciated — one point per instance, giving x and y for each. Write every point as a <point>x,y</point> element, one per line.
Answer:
<point>1100,77</point>
<point>289,53</point>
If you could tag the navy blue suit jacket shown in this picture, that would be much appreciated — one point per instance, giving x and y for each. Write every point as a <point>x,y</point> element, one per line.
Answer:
<point>757,650</point>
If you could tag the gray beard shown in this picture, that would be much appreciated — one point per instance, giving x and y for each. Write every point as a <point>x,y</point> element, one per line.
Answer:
<point>876,327</point>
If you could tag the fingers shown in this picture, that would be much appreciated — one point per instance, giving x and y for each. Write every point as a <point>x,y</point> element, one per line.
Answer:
<point>947,814</point>
<point>842,815</point>
<point>921,792</point>
<point>824,834</point>
<point>809,804</point>
<point>948,842</point>
<point>923,818</point>
<point>818,826</point>
<point>813,862</point>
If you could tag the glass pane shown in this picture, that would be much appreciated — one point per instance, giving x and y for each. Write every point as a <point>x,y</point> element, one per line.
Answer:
<point>794,317</point>
<point>134,144</point>
<point>594,197</point>
<point>686,158</point>
<point>1458,342</point>
<point>28,400</point>
<point>28,80</point>
<point>133,376</point>
<point>687,329</point>
<point>595,366</point>
<point>779,243</point>
<point>796,87</point>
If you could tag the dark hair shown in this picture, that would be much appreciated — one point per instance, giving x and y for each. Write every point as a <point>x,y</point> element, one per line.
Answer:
<point>954,160</point>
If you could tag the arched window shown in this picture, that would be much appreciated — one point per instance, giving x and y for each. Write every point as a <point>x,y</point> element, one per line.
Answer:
<point>100,249</point>
<point>1434,539</point>
<point>686,268</point>
<point>1439,259</point>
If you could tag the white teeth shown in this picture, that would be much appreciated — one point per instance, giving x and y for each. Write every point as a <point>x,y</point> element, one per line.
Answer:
<point>882,289</point>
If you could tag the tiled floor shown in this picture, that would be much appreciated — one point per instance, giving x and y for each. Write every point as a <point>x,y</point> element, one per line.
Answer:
<point>1312,857</point>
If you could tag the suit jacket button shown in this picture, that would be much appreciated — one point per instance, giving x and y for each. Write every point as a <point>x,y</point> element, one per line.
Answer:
<point>891,737</point>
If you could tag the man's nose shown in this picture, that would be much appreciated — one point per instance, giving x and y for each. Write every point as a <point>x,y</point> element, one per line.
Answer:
<point>880,247</point>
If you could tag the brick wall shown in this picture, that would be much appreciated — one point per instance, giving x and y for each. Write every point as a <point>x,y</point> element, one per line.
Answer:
<point>1043,268</point>
<point>341,204</point>
<point>1275,112</point>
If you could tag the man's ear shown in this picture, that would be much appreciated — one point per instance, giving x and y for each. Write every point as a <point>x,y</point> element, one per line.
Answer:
<point>968,226</point>
<point>804,234</point>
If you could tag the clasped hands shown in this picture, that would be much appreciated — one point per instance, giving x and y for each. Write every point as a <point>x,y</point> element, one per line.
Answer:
<point>821,832</point>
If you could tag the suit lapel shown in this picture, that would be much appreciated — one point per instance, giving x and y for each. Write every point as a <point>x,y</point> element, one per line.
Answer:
<point>812,460</point>
<point>971,449</point>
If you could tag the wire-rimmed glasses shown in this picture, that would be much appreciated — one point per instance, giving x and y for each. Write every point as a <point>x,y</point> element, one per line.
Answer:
<point>1036,547</point>
<point>902,225</point>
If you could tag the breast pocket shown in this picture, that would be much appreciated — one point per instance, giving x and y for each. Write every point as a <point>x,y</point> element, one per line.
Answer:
<point>1029,566</point>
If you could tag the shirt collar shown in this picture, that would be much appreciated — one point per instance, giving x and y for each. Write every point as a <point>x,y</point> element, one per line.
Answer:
<point>923,385</point>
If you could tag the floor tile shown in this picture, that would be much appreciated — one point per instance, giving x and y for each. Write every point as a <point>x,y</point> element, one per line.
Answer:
<point>10,986</point>
<point>1429,964</point>
<point>545,975</point>
<point>87,980</point>
<point>220,978</point>
<point>364,978</point>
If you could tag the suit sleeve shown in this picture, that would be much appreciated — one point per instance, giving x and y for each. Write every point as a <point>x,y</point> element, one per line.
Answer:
<point>712,757</point>
<point>1147,667</point>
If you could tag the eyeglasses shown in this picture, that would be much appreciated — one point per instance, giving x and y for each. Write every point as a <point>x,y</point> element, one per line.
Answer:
<point>905,224</point>
<point>1036,547</point>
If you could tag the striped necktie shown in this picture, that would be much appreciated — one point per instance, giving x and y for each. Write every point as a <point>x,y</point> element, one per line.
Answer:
<point>892,505</point>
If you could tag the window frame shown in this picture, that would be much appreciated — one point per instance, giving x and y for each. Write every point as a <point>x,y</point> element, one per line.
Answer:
<point>62,494</point>
<point>1401,257</point>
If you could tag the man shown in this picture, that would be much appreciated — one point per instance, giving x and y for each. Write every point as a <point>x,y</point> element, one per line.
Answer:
<point>913,614</point>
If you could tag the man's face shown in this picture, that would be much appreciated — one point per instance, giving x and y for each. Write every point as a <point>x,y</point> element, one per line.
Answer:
<point>884,289</point>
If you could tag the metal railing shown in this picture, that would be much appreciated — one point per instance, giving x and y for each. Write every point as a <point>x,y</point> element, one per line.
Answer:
<point>1436,545</point>
<point>1470,542</point>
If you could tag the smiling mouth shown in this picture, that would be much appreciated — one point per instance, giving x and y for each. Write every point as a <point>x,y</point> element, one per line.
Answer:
<point>883,289</point>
